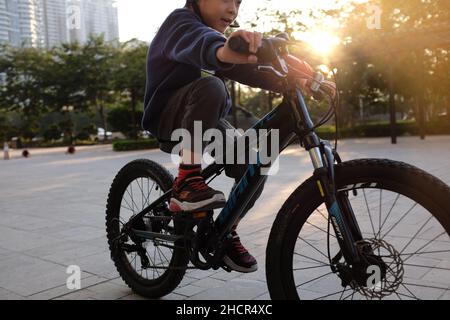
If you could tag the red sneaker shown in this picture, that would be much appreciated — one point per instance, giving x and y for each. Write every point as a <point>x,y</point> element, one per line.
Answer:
<point>192,194</point>
<point>238,258</point>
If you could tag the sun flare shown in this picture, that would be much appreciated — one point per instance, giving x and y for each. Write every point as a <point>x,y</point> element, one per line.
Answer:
<point>322,42</point>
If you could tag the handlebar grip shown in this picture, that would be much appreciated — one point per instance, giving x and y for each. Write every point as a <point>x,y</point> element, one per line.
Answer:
<point>238,45</point>
<point>265,54</point>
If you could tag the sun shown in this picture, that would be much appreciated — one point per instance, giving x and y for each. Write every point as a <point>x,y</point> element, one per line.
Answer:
<point>322,42</point>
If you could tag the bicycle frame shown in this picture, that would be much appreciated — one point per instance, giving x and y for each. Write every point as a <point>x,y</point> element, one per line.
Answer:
<point>340,212</point>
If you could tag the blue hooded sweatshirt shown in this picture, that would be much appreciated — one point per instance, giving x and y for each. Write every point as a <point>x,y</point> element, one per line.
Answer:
<point>181,49</point>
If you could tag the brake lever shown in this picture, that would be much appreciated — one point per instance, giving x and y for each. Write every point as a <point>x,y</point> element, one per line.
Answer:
<point>271,70</point>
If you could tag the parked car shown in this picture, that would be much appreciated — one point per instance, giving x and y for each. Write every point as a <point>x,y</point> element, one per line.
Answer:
<point>101,134</point>
<point>145,134</point>
<point>442,115</point>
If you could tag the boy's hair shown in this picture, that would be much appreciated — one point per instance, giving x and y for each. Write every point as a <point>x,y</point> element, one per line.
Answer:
<point>194,5</point>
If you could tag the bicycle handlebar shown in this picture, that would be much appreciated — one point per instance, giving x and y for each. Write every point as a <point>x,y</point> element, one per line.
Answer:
<point>269,53</point>
<point>266,53</point>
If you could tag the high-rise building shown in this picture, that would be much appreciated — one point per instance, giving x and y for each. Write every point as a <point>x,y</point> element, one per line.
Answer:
<point>21,22</point>
<point>54,22</point>
<point>47,23</point>
<point>86,17</point>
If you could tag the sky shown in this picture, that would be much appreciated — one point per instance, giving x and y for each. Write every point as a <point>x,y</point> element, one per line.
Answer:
<point>141,18</point>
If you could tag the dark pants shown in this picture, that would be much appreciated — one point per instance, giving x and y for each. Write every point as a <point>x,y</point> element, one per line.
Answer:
<point>207,100</point>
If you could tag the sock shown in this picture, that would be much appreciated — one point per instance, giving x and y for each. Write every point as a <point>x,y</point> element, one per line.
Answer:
<point>186,169</point>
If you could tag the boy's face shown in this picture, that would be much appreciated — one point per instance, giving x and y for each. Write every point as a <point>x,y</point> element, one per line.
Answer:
<point>219,14</point>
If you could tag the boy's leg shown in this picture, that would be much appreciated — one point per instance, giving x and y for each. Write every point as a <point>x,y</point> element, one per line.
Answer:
<point>203,100</point>
<point>238,257</point>
<point>237,171</point>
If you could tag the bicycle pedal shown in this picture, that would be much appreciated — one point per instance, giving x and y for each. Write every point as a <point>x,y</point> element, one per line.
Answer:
<point>200,215</point>
<point>191,215</point>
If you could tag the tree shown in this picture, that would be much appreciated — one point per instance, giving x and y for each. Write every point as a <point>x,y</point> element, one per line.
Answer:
<point>65,85</point>
<point>23,90</point>
<point>130,76</point>
<point>98,64</point>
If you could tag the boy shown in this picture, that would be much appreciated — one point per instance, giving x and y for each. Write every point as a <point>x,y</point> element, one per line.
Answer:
<point>189,41</point>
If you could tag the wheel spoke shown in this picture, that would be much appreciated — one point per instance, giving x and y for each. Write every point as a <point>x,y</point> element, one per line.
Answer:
<point>148,193</point>
<point>159,254</point>
<point>319,228</point>
<point>424,286</point>
<point>416,234</point>
<point>424,246</point>
<point>130,207</point>
<point>321,262</point>
<point>142,193</point>
<point>379,213</point>
<point>160,250</point>
<point>350,295</point>
<point>368,212</point>
<point>407,212</point>
<point>389,213</point>
<point>317,278</point>
<point>154,258</point>
<point>332,294</point>
<point>409,291</point>
<point>420,266</point>
<point>342,294</point>
<point>131,196</point>
<point>312,246</point>
<point>321,213</point>
<point>126,208</point>
<point>308,268</point>
<point>424,252</point>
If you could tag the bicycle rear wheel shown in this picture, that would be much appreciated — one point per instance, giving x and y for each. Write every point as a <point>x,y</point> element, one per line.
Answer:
<point>161,266</point>
<point>404,216</point>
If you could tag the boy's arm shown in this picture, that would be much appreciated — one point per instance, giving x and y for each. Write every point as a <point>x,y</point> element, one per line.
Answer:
<point>191,42</point>
<point>249,75</point>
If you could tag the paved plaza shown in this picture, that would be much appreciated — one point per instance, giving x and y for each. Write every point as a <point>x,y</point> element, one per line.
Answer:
<point>52,214</point>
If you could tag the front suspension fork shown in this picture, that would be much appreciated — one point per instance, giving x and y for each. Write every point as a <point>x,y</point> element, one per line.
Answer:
<point>338,205</point>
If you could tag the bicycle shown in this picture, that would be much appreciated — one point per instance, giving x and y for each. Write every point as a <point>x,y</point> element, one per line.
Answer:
<point>337,236</point>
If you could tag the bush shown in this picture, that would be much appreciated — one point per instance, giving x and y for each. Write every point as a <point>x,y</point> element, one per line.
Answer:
<point>52,133</point>
<point>128,145</point>
<point>119,119</point>
<point>86,132</point>
<point>54,144</point>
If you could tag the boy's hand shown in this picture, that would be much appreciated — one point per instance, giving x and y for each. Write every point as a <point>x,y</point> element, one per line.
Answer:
<point>254,39</point>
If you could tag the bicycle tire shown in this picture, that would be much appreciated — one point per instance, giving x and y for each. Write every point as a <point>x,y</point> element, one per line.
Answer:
<point>412,182</point>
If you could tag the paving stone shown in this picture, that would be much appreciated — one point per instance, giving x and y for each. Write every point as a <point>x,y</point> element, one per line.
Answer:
<point>63,290</point>
<point>109,291</point>
<point>239,289</point>
<point>52,209</point>
<point>189,290</point>
<point>25,275</point>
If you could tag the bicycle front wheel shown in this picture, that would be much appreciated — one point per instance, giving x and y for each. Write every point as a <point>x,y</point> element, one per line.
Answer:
<point>404,216</point>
